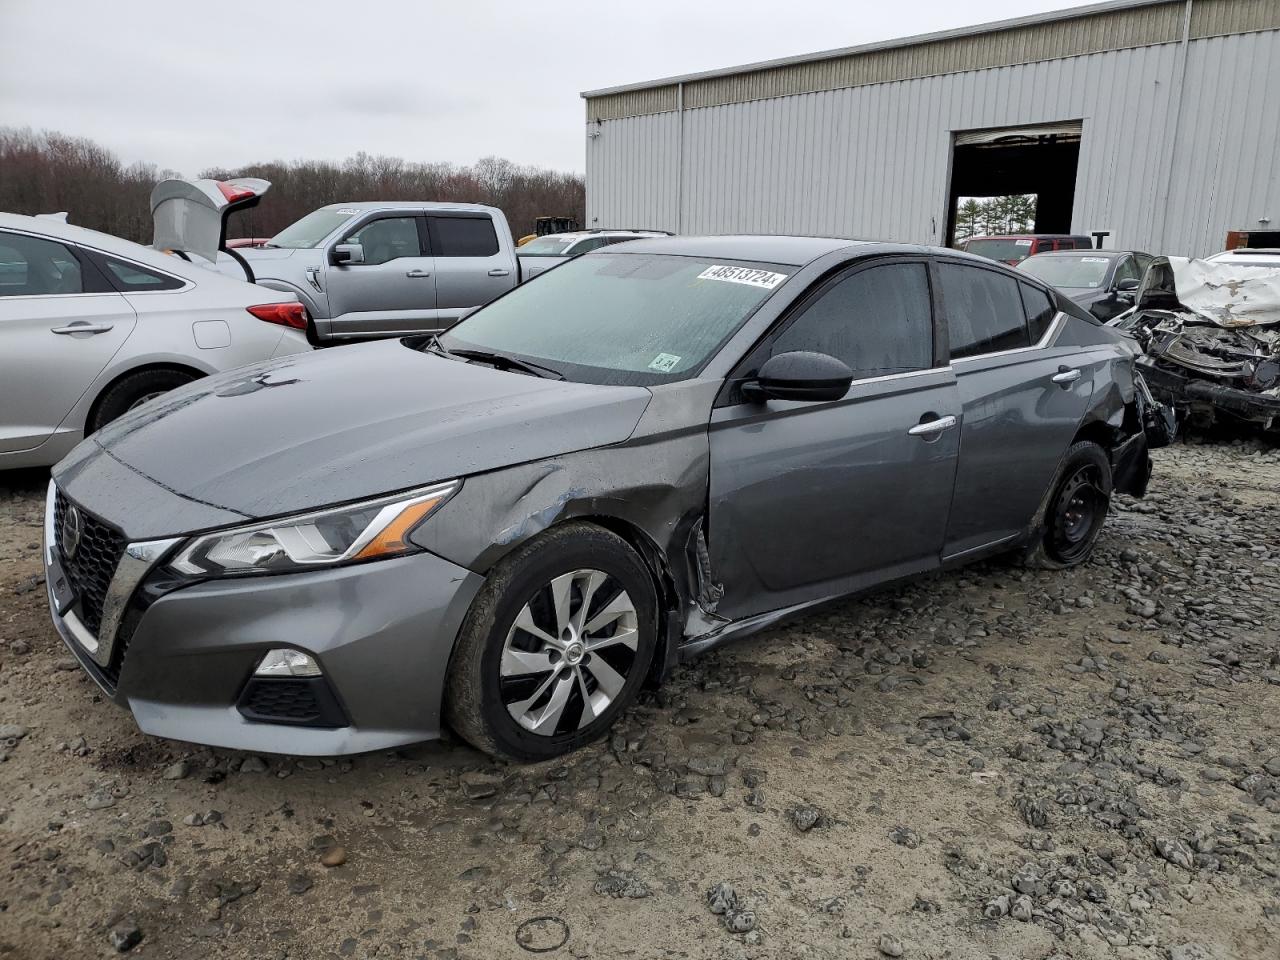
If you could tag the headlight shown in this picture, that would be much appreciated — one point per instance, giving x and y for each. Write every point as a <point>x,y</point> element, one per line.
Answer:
<point>373,530</point>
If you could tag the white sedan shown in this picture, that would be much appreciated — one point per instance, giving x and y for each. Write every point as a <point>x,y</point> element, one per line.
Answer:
<point>92,325</point>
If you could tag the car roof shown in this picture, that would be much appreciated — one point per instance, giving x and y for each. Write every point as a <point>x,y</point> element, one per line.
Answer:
<point>364,205</point>
<point>585,234</point>
<point>792,251</point>
<point>106,242</point>
<point>1108,254</point>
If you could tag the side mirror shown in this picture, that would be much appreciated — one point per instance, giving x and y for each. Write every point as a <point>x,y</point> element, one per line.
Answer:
<point>799,375</point>
<point>347,253</point>
<point>1127,288</point>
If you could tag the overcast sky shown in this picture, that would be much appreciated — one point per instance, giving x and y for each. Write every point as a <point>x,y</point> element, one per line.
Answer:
<point>191,85</point>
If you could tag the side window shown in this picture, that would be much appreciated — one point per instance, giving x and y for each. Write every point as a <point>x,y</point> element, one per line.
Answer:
<point>1040,310</point>
<point>984,310</point>
<point>878,321</point>
<point>1127,269</point>
<point>387,239</point>
<point>31,266</point>
<point>134,278</point>
<point>464,237</point>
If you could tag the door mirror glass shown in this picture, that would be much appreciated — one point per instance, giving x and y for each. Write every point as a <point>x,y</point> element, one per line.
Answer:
<point>799,375</point>
<point>347,253</point>
<point>1127,287</point>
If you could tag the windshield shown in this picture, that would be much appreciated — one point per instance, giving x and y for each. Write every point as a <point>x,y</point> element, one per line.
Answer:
<point>547,247</point>
<point>311,229</point>
<point>1078,272</point>
<point>622,319</point>
<point>1000,249</point>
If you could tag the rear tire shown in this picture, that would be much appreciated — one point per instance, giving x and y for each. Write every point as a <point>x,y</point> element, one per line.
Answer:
<point>132,390</point>
<point>1071,518</point>
<point>555,647</point>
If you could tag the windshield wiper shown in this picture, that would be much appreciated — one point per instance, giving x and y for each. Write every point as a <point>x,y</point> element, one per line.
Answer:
<point>435,345</point>
<point>504,362</point>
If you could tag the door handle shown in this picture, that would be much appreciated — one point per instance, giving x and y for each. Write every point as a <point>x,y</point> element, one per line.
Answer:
<point>82,328</point>
<point>499,273</point>
<point>933,428</point>
<point>417,274</point>
<point>1066,375</point>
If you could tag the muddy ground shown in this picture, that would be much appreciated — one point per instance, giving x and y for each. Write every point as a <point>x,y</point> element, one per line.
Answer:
<point>990,763</point>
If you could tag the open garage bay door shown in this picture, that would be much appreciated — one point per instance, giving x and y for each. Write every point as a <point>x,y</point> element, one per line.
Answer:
<point>1040,160</point>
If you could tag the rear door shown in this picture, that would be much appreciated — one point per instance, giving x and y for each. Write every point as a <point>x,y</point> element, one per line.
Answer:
<point>813,499</point>
<point>471,267</point>
<point>60,325</point>
<point>1024,394</point>
<point>394,290</point>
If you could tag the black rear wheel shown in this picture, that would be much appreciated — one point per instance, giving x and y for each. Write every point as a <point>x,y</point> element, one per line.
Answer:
<point>1073,515</point>
<point>134,390</point>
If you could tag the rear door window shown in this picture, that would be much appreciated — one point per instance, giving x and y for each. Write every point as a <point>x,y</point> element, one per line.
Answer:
<point>464,237</point>
<point>1040,310</point>
<point>984,310</point>
<point>879,321</point>
<point>33,266</point>
<point>133,278</point>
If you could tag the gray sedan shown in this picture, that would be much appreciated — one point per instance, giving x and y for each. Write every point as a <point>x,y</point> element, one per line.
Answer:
<point>512,527</point>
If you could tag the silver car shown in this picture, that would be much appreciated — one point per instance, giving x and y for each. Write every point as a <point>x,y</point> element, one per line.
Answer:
<point>513,526</point>
<point>542,253</point>
<point>91,326</point>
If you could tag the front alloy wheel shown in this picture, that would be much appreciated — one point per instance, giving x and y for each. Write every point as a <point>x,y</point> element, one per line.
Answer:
<point>569,653</point>
<point>556,645</point>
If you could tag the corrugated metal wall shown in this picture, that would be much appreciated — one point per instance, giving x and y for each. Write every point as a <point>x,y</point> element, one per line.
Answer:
<point>873,160</point>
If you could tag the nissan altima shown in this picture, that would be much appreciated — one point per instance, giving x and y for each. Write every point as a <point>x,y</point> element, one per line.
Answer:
<point>512,527</point>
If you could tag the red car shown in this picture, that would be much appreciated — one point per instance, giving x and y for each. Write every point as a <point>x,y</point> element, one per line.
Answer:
<point>248,242</point>
<point>1015,248</point>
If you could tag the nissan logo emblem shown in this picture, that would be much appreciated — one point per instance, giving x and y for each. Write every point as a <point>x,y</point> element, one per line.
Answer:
<point>72,531</point>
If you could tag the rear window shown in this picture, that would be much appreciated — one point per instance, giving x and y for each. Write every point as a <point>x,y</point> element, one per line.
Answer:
<point>464,237</point>
<point>1005,249</point>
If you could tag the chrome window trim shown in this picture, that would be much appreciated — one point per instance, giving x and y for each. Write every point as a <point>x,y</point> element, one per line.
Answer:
<point>1046,340</point>
<point>187,284</point>
<point>900,376</point>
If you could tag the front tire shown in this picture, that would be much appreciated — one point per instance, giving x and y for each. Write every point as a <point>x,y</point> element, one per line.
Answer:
<point>1071,519</point>
<point>555,646</point>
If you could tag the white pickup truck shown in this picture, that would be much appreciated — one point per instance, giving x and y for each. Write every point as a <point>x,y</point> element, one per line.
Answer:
<point>370,269</point>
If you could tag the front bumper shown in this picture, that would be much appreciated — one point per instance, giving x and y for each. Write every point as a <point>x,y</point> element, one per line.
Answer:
<point>1209,401</point>
<point>382,633</point>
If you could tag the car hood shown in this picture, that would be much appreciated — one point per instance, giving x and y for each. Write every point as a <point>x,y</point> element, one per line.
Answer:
<point>1085,295</point>
<point>313,429</point>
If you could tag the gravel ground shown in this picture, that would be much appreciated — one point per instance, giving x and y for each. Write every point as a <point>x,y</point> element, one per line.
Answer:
<point>989,763</point>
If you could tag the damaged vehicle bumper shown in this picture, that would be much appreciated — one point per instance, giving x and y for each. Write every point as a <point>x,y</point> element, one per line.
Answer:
<point>1206,401</point>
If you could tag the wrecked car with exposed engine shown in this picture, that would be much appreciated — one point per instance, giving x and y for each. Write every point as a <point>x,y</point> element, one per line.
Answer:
<point>1210,335</point>
<point>513,526</point>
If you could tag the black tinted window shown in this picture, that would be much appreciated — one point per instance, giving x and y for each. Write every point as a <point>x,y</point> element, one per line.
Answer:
<point>878,321</point>
<point>388,239</point>
<point>131,278</point>
<point>1040,310</point>
<point>30,266</point>
<point>984,310</point>
<point>464,237</point>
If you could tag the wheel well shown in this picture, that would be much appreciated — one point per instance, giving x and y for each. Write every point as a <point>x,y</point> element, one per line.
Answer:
<point>146,368</point>
<point>664,584</point>
<point>1096,431</point>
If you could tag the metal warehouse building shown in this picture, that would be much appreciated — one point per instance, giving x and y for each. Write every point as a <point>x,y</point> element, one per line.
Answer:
<point>1157,122</point>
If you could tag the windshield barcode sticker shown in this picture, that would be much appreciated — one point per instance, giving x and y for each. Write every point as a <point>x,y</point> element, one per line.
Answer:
<point>747,275</point>
<point>665,362</point>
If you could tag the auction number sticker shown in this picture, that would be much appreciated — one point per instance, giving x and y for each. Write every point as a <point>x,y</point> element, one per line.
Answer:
<point>1022,243</point>
<point>664,362</point>
<point>1093,259</point>
<point>751,277</point>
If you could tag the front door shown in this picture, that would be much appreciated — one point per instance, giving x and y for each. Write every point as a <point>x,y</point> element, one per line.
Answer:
<point>56,335</point>
<point>393,290</point>
<point>1024,396</point>
<point>809,500</point>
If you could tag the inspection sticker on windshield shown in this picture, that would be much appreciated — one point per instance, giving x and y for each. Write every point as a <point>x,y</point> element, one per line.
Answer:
<point>752,278</point>
<point>664,362</point>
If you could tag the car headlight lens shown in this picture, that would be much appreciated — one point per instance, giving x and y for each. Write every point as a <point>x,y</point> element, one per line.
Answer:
<point>373,530</point>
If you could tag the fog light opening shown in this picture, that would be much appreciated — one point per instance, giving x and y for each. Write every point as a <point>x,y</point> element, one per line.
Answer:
<point>284,662</point>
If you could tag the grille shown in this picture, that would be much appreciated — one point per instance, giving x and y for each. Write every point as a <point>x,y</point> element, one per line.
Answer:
<point>94,564</point>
